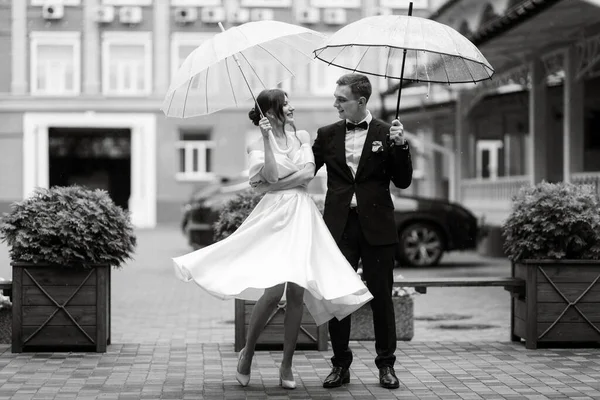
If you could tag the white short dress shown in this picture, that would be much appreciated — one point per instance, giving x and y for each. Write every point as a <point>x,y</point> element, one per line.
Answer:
<point>284,239</point>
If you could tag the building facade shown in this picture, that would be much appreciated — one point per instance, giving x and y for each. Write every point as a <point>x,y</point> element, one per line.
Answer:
<point>537,119</point>
<point>83,81</point>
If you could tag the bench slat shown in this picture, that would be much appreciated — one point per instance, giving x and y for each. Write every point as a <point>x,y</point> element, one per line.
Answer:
<point>513,285</point>
<point>459,281</point>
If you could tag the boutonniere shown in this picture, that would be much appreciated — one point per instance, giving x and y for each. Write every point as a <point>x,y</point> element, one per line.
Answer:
<point>377,146</point>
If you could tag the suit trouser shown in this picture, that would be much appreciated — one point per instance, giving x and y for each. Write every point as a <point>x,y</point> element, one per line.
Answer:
<point>378,272</point>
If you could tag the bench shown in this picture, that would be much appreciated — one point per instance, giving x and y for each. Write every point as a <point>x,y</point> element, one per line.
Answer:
<point>513,285</point>
<point>6,288</point>
<point>516,286</point>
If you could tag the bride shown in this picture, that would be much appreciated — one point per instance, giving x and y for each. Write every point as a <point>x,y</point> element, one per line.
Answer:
<point>282,247</point>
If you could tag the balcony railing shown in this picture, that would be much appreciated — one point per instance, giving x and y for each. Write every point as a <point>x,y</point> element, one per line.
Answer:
<point>588,178</point>
<point>499,189</point>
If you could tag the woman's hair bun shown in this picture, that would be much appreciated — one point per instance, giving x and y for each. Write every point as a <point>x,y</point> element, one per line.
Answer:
<point>254,116</point>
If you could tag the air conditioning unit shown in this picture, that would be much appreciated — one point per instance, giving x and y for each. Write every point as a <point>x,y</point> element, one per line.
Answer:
<point>383,11</point>
<point>130,15</point>
<point>334,16</point>
<point>53,10</point>
<point>308,15</point>
<point>104,14</point>
<point>262,14</point>
<point>239,15</point>
<point>186,15</point>
<point>213,14</point>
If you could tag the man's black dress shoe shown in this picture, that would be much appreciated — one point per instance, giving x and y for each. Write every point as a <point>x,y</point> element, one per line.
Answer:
<point>387,378</point>
<point>337,377</point>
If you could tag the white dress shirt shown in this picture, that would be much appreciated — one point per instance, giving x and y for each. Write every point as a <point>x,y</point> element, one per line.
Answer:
<point>355,141</point>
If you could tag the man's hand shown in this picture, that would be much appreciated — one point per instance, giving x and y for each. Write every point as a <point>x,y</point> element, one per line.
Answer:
<point>397,133</point>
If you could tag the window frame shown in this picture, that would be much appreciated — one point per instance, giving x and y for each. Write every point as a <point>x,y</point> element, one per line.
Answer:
<point>61,2</point>
<point>196,3</point>
<point>127,38</point>
<point>188,174</point>
<point>179,39</point>
<point>127,2</point>
<point>37,38</point>
<point>493,146</point>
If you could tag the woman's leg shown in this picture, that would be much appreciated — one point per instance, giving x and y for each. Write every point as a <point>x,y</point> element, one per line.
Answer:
<point>291,323</point>
<point>261,312</point>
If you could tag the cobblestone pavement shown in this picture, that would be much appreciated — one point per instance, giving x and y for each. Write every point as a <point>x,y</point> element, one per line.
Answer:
<point>171,340</point>
<point>427,370</point>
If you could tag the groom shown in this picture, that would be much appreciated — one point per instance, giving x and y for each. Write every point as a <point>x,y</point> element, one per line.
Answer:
<point>363,155</point>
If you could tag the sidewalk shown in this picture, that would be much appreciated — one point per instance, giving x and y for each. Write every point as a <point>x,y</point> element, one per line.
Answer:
<point>427,370</point>
<point>171,340</point>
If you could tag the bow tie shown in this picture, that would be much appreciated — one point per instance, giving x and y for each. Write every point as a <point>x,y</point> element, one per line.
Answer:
<point>350,126</point>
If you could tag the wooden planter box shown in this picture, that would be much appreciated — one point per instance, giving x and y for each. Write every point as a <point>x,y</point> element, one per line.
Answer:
<point>561,305</point>
<point>310,336</point>
<point>362,320</point>
<point>60,309</point>
<point>5,325</point>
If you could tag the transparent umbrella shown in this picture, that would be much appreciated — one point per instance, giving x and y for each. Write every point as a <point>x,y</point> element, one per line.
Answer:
<point>229,68</point>
<point>406,48</point>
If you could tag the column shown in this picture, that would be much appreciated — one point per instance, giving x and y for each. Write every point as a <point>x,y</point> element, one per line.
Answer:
<point>573,120</point>
<point>19,48</point>
<point>538,151</point>
<point>91,49</point>
<point>161,41</point>
<point>461,149</point>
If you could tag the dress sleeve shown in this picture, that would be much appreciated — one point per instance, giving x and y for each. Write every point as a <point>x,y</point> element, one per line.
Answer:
<point>256,161</point>
<point>307,153</point>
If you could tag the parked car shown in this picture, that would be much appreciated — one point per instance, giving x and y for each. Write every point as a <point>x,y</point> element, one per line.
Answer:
<point>426,227</point>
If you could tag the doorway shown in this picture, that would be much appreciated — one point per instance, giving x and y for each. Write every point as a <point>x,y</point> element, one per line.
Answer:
<point>97,158</point>
<point>141,130</point>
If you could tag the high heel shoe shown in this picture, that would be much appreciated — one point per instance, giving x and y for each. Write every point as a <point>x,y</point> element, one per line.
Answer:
<point>241,378</point>
<point>286,384</point>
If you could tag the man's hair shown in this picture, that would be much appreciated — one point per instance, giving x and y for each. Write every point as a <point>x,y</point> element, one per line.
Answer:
<point>359,84</point>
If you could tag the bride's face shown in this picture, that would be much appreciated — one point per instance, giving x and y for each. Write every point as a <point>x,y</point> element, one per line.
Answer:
<point>285,117</point>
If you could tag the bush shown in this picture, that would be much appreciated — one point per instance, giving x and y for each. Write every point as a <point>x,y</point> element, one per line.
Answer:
<point>68,226</point>
<point>553,221</point>
<point>234,212</point>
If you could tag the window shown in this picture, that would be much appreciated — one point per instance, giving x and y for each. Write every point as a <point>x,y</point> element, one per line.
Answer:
<point>323,76</point>
<point>182,44</point>
<point>63,2</point>
<point>201,3</point>
<point>487,159</point>
<point>266,3</point>
<point>127,2</point>
<point>126,63</point>
<point>335,3</point>
<point>55,63</point>
<point>196,155</point>
<point>417,4</point>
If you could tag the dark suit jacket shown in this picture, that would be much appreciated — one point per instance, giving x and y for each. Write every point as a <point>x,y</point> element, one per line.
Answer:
<point>371,184</point>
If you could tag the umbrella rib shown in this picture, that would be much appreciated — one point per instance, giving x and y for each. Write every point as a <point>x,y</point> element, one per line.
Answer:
<point>275,58</point>
<point>206,89</point>
<point>253,70</point>
<point>186,96</point>
<point>402,48</point>
<point>230,82</point>
<point>363,56</point>
<point>387,62</point>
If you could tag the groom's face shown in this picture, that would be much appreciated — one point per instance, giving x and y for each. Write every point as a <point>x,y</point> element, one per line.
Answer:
<point>349,106</point>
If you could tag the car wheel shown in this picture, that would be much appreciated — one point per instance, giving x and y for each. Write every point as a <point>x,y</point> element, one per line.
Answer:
<point>421,245</point>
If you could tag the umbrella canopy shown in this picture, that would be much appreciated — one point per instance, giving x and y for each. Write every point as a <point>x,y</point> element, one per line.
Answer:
<point>434,52</point>
<point>405,47</point>
<point>227,69</point>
